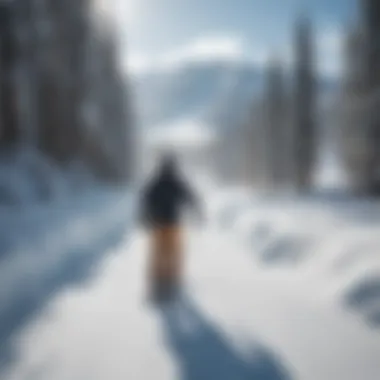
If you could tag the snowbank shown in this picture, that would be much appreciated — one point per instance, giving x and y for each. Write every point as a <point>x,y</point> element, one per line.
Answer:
<point>46,246</point>
<point>334,244</point>
<point>27,176</point>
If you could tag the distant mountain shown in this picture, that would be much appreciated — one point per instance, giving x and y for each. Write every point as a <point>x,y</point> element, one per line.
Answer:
<point>194,88</point>
<point>219,92</point>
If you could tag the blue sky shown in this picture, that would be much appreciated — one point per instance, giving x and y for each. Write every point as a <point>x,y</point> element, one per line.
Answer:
<point>160,27</point>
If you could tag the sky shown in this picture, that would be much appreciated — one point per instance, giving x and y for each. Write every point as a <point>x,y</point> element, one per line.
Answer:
<point>160,30</point>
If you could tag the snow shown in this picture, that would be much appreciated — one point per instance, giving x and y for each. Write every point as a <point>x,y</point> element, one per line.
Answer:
<point>276,289</point>
<point>27,176</point>
<point>46,246</point>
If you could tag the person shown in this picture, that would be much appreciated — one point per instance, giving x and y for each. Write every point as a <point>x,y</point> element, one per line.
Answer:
<point>163,201</point>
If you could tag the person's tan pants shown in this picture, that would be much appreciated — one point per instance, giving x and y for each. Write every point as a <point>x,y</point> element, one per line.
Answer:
<point>166,252</point>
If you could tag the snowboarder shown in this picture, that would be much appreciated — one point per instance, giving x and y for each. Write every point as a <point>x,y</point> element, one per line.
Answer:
<point>163,201</point>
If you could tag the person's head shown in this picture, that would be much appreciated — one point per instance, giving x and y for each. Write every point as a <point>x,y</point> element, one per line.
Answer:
<point>169,164</point>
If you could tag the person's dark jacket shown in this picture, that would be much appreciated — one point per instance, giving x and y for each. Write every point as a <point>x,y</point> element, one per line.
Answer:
<point>164,199</point>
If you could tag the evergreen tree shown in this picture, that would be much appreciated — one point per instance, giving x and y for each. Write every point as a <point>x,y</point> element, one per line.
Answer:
<point>9,128</point>
<point>275,128</point>
<point>304,144</point>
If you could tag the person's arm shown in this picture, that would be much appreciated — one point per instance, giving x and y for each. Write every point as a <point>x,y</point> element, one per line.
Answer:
<point>192,200</point>
<point>144,209</point>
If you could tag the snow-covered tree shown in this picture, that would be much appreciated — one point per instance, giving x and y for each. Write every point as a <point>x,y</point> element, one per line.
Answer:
<point>61,86</point>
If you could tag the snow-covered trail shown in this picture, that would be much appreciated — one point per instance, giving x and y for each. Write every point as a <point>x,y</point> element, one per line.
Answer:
<point>242,319</point>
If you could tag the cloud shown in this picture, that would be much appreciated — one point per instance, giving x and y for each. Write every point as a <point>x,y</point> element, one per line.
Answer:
<point>208,48</point>
<point>203,49</point>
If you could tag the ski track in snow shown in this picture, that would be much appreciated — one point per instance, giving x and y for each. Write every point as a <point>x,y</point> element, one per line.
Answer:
<point>276,290</point>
